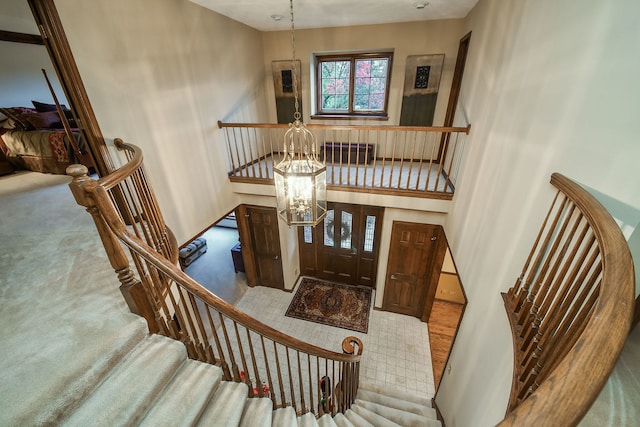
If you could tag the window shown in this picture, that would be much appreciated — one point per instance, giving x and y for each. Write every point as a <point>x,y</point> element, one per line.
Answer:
<point>353,85</point>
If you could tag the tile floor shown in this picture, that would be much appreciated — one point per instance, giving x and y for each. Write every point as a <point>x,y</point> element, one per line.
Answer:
<point>396,348</point>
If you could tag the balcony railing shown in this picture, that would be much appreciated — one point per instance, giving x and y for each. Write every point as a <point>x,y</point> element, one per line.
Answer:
<point>399,160</point>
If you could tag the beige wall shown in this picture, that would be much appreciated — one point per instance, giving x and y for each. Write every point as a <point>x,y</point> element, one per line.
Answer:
<point>409,38</point>
<point>160,74</point>
<point>549,86</point>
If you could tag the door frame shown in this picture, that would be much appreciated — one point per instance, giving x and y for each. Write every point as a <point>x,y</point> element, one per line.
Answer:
<point>55,40</point>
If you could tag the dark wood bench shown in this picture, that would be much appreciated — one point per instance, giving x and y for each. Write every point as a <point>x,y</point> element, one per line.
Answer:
<point>344,152</point>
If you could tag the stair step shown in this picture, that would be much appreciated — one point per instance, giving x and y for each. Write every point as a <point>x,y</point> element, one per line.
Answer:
<point>392,402</point>
<point>398,416</point>
<point>402,395</point>
<point>307,420</point>
<point>186,396</point>
<point>258,412</point>
<point>36,396</point>
<point>285,417</point>
<point>326,421</point>
<point>356,420</point>
<point>125,395</point>
<point>342,421</point>
<point>373,418</point>
<point>226,405</point>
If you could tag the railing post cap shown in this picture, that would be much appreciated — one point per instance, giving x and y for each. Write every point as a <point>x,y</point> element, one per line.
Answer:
<point>77,171</point>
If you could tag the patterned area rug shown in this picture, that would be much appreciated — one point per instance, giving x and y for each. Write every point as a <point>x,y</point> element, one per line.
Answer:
<point>333,304</point>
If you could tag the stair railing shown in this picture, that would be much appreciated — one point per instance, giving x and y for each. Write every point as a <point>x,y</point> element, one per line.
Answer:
<point>288,371</point>
<point>569,311</point>
<point>414,161</point>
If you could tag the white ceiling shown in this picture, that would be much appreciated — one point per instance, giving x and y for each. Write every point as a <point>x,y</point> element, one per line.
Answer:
<point>335,13</point>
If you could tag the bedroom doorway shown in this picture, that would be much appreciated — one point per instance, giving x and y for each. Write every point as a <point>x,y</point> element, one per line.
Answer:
<point>55,41</point>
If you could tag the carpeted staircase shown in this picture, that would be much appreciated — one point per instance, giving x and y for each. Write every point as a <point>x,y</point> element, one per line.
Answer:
<point>72,354</point>
<point>155,384</point>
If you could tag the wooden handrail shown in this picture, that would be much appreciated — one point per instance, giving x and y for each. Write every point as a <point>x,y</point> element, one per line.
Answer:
<point>565,395</point>
<point>134,163</point>
<point>145,251</point>
<point>465,130</point>
<point>175,305</point>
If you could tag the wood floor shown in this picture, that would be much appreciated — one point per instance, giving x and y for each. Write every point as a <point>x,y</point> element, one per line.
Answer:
<point>442,326</point>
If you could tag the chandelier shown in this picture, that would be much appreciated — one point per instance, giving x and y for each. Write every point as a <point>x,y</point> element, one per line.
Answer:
<point>300,178</point>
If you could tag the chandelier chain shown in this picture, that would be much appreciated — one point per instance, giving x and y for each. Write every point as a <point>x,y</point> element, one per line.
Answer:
<point>296,115</point>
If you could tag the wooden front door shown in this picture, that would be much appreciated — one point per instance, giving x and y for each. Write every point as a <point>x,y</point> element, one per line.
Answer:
<point>265,242</point>
<point>414,256</point>
<point>344,247</point>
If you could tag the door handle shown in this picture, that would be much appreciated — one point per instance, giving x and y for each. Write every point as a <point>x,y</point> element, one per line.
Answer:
<point>276,257</point>
<point>393,277</point>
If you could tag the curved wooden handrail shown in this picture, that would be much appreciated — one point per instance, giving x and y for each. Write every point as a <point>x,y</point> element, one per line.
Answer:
<point>565,396</point>
<point>465,130</point>
<point>117,176</point>
<point>102,200</point>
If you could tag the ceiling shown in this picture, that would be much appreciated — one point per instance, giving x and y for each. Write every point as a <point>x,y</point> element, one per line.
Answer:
<point>335,13</point>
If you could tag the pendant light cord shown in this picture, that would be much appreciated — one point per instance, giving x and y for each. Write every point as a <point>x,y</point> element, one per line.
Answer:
<point>297,116</point>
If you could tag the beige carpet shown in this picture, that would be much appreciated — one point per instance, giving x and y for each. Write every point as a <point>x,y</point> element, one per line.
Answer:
<point>59,299</point>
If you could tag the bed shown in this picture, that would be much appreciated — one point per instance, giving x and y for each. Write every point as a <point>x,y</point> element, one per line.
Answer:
<point>35,140</point>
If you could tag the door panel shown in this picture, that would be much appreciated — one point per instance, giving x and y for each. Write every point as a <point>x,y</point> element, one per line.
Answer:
<point>337,259</point>
<point>263,223</point>
<point>413,251</point>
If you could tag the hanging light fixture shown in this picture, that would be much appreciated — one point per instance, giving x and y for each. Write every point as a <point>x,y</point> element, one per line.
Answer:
<point>300,178</point>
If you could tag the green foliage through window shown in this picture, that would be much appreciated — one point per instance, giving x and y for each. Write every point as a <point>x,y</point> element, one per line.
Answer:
<point>353,84</point>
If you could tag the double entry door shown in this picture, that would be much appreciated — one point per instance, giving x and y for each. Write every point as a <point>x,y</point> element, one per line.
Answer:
<point>344,247</point>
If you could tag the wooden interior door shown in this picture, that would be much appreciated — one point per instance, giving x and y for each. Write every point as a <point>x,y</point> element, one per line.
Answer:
<point>413,257</point>
<point>265,243</point>
<point>344,247</point>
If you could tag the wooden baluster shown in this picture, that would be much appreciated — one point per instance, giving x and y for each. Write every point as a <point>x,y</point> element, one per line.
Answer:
<point>413,154</point>
<point>547,256</point>
<point>81,187</point>
<point>229,148</point>
<point>221,357</point>
<point>420,163</point>
<point>234,365</point>
<point>539,249</point>
<point>283,399</point>
<point>243,359</point>
<point>562,302</point>
<point>311,405</point>
<point>255,365</point>
<point>402,157</point>
<point>443,150</point>
<point>322,402</point>
<point>301,384</point>
<point>269,379</point>
<point>291,389</point>
<point>393,159</point>
<point>555,288</point>
<point>555,274</point>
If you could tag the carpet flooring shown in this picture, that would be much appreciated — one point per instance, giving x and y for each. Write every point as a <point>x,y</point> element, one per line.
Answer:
<point>332,304</point>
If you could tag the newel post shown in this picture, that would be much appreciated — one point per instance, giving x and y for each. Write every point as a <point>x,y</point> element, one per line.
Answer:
<point>132,289</point>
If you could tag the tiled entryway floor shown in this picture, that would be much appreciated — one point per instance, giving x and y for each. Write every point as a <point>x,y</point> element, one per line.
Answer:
<point>396,348</point>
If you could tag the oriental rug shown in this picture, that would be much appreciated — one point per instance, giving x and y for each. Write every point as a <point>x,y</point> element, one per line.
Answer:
<point>333,304</point>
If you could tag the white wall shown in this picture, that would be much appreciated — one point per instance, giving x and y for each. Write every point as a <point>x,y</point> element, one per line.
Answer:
<point>160,74</point>
<point>549,86</point>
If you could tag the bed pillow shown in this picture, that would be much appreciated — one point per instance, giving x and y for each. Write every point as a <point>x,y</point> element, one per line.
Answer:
<point>42,107</point>
<point>47,120</point>
<point>15,114</point>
